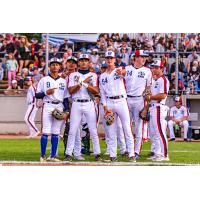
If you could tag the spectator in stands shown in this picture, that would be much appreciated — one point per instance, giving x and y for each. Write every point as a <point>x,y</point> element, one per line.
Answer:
<point>24,53</point>
<point>69,52</point>
<point>42,66</point>
<point>20,81</point>
<point>36,75</point>
<point>41,56</point>
<point>12,67</point>
<point>125,38</point>
<point>64,47</point>
<point>191,58</point>
<point>3,49</point>
<point>178,117</point>
<point>13,89</point>
<point>34,47</point>
<point>25,73</point>
<point>1,70</point>
<point>1,40</point>
<point>119,62</point>
<point>10,46</point>
<point>160,47</point>
<point>55,53</point>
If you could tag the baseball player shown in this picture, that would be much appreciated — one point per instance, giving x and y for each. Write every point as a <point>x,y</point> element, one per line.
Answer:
<point>120,134</point>
<point>137,78</point>
<point>113,98</point>
<point>178,116</point>
<point>158,112</point>
<point>81,83</point>
<point>71,67</point>
<point>53,90</point>
<point>32,108</point>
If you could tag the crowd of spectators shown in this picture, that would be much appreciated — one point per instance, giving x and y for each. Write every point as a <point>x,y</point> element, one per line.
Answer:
<point>20,58</point>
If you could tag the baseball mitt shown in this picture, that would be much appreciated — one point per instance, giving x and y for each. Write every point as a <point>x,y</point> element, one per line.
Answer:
<point>144,114</point>
<point>146,92</point>
<point>109,117</point>
<point>59,115</point>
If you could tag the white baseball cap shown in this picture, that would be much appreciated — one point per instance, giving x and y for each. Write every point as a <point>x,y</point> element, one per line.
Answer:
<point>178,99</point>
<point>95,50</point>
<point>110,54</point>
<point>158,63</point>
<point>14,81</point>
<point>141,53</point>
<point>55,60</point>
<point>72,58</point>
<point>84,56</point>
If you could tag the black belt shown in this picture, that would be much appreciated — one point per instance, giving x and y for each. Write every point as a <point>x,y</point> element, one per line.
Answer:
<point>82,100</point>
<point>116,97</point>
<point>133,96</point>
<point>54,102</point>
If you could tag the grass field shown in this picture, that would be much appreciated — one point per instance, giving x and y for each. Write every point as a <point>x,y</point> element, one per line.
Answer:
<point>29,150</point>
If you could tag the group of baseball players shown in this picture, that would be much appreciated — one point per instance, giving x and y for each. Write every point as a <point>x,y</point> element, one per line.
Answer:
<point>117,95</point>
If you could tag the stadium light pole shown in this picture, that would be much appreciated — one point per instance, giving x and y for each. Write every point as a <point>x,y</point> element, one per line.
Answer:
<point>176,79</point>
<point>47,54</point>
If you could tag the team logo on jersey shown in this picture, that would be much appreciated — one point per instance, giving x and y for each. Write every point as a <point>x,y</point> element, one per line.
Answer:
<point>104,81</point>
<point>76,78</point>
<point>175,112</point>
<point>61,86</point>
<point>156,85</point>
<point>141,74</point>
<point>116,76</point>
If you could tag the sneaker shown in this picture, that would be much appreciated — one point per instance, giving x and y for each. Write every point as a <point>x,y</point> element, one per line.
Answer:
<point>43,159</point>
<point>98,158</point>
<point>55,159</point>
<point>137,156</point>
<point>79,158</point>
<point>68,158</point>
<point>172,139</point>
<point>146,140</point>
<point>132,159</point>
<point>185,140</point>
<point>113,159</point>
<point>124,154</point>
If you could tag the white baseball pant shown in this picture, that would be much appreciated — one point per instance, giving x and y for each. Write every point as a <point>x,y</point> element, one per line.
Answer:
<point>50,125</point>
<point>120,133</point>
<point>158,127</point>
<point>183,124</point>
<point>120,108</point>
<point>136,104</point>
<point>30,117</point>
<point>77,110</point>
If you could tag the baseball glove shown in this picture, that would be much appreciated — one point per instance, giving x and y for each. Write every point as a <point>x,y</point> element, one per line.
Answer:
<point>59,115</point>
<point>144,114</point>
<point>109,117</point>
<point>146,92</point>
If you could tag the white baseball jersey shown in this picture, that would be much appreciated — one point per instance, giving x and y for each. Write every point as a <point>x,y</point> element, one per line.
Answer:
<point>161,85</point>
<point>179,113</point>
<point>111,85</point>
<point>48,82</point>
<point>30,98</point>
<point>137,80</point>
<point>82,93</point>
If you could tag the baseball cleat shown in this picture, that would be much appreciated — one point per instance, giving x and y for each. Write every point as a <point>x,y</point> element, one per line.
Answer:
<point>113,159</point>
<point>151,154</point>
<point>43,159</point>
<point>68,158</point>
<point>124,154</point>
<point>132,159</point>
<point>137,156</point>
<point>98,157</point>
<point>79,158</point>
<point>53,159</point>
<point>165,159</point>
<point>185,140</point>
<point>157,159</point>
<point>172,139</point>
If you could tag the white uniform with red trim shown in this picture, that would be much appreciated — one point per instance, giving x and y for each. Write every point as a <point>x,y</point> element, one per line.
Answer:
<point>31,111</point>
<point>50,125</point>
<point>113,95</point>
<point>178,113</point>
<point>82,105</point>
<point>136,81</point>
<point>158,113</point>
